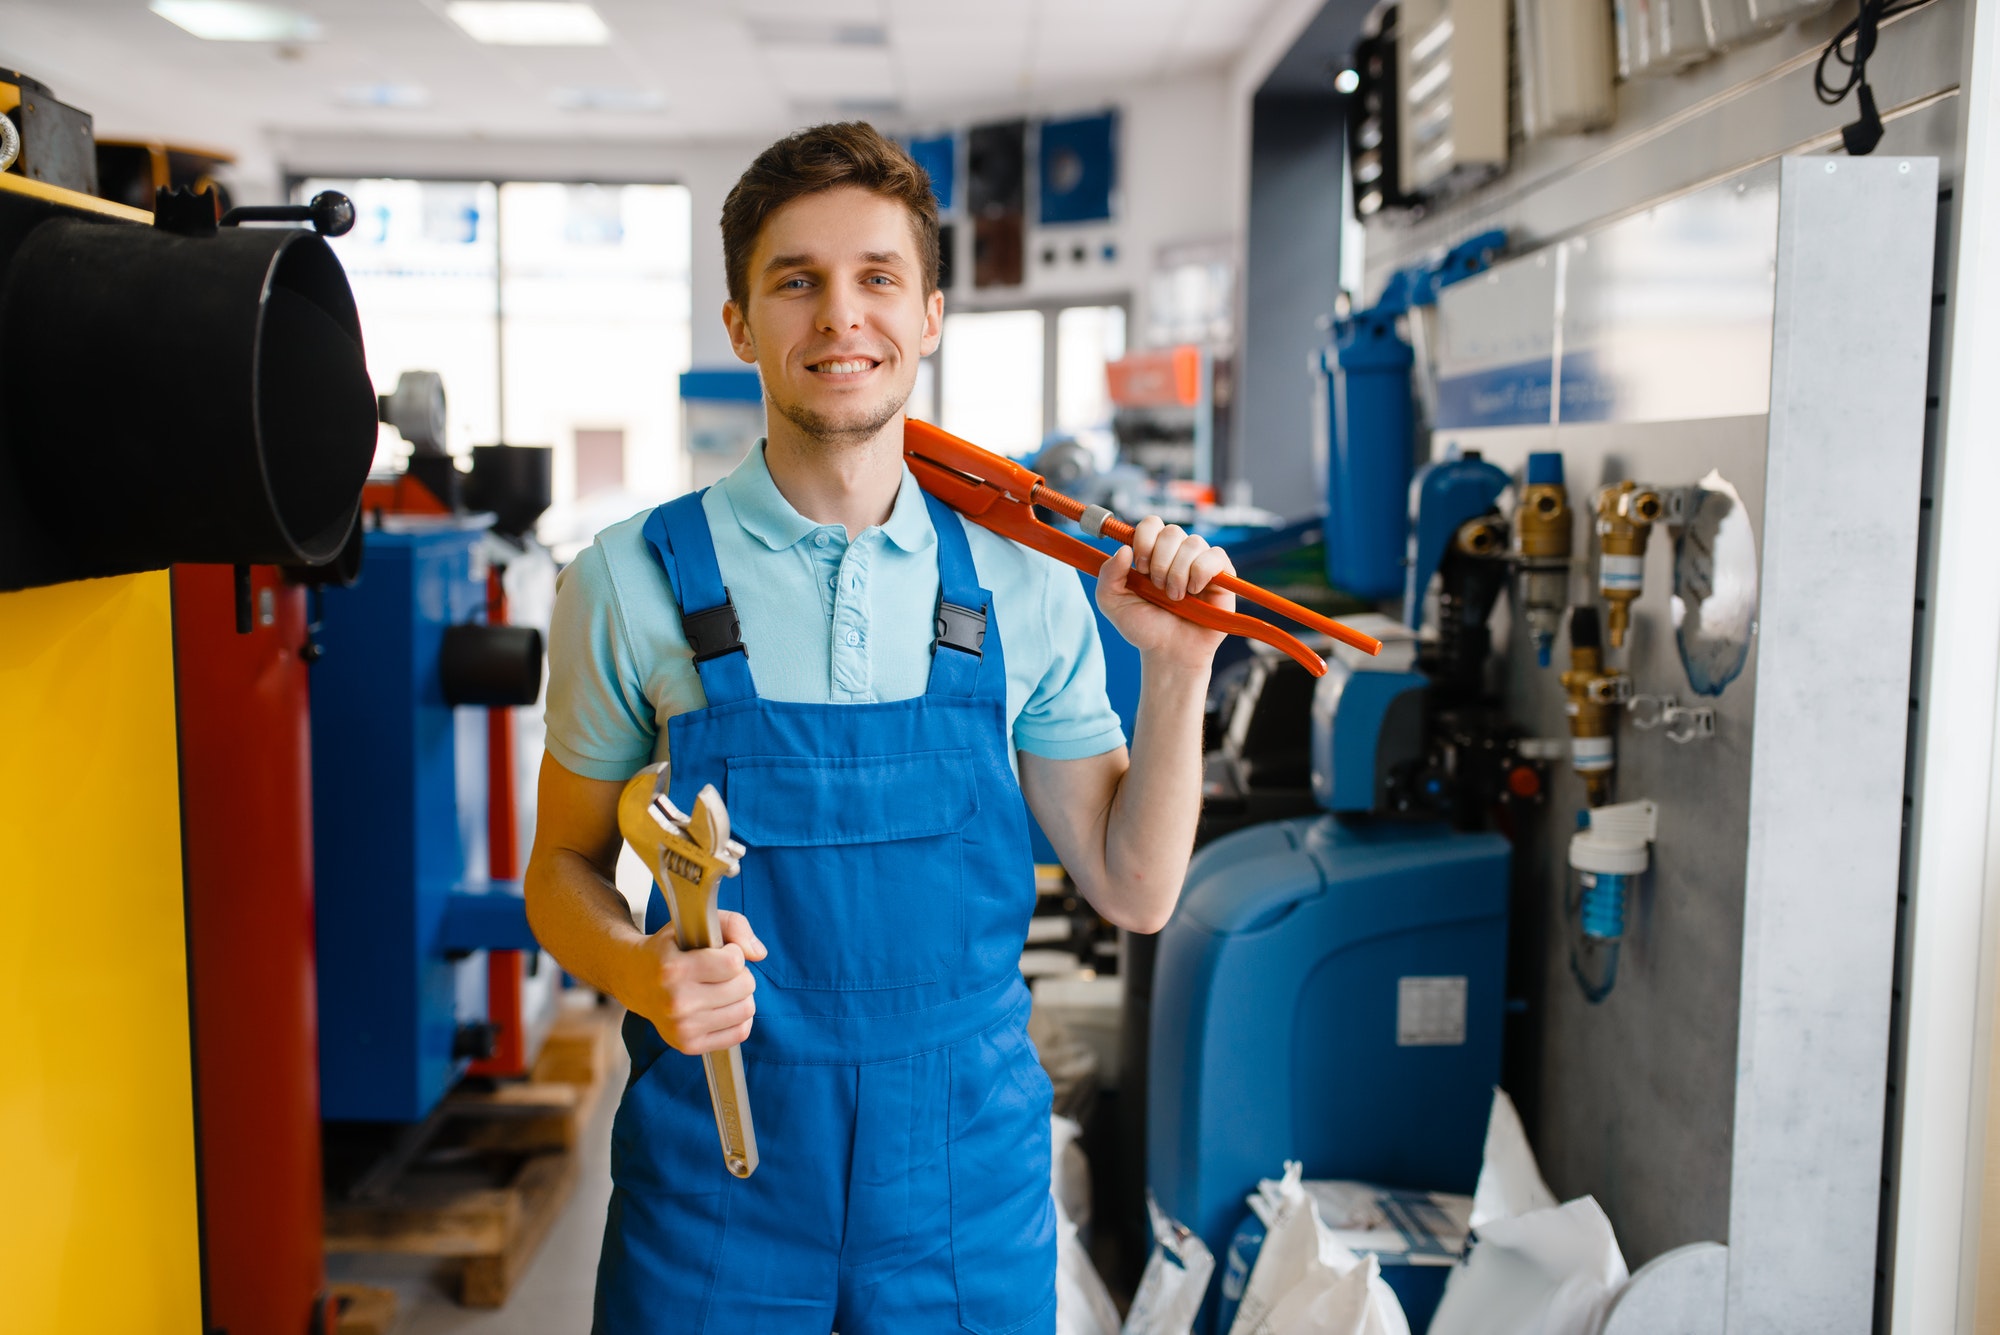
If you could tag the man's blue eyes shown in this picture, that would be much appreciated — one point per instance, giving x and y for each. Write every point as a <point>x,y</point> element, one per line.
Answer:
<point>883,279</point>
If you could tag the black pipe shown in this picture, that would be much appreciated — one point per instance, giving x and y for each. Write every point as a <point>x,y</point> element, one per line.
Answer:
<point>491,665</point>
<point>172,397</point>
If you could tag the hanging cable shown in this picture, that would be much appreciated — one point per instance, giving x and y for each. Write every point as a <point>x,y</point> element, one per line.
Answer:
<point>1864,134</point>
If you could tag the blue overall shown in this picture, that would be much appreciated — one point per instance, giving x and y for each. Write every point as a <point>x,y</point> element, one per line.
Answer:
<point>901,1114</point>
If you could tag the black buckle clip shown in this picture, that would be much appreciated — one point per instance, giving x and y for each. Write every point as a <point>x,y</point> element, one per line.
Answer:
<point>961,628</point>
<point>715,632</point>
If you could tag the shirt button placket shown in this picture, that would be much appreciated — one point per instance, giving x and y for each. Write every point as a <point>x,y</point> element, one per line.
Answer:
<point>852,672</point>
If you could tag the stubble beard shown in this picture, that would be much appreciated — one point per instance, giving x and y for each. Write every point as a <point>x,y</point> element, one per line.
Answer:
<point>847,429</point>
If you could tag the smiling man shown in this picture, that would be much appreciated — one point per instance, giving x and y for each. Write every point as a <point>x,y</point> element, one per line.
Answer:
<point>875,687</point>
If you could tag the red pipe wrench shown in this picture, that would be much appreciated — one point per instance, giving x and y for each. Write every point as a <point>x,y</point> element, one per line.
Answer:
<point>998,494</point>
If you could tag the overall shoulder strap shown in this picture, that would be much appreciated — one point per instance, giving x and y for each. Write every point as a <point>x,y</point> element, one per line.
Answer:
<point>968,641</point>
<point>678,534</point>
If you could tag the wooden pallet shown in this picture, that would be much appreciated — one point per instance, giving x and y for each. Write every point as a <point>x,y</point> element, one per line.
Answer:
<point>486,1177</point>
<point>361,1310</point>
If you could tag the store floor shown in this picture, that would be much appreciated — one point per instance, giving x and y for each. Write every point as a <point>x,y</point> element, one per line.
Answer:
<point>553,1298</point>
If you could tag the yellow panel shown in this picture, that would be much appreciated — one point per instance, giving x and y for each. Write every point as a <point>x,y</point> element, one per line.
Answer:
<point>56,194</point>
<point>97,1210</point>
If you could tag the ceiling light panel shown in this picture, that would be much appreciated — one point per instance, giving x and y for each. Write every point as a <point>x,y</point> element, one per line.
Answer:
<point>529,22</point>
<point>610,100</point>
<point>817,32</point>
<point>235,21</point>
<point>394,96</point>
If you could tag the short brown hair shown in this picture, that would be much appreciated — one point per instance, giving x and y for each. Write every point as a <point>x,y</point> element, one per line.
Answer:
<point>845,153</point>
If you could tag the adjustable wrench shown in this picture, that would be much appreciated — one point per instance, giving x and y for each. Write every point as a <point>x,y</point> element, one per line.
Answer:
<point>689,854</point>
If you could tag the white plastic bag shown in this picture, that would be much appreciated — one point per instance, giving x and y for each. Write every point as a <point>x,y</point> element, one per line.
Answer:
<point>1083,1304</point>
<point>1547,1272</point>
<point>1510,1182</point>
<point>1305,1282</point>
<point>1069,1171</point>
<point>1175,1279</point>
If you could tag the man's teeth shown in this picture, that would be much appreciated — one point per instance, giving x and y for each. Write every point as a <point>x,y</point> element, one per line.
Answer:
<point>843,368</point>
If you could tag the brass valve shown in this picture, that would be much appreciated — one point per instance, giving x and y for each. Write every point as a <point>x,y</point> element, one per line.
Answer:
<point>1542,527</point>
<point>1484,536</point>
<point>1596,697</point>
<point>1625,515</point>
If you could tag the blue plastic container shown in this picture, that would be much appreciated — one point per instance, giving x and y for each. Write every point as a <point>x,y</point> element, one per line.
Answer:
<point>1328,992</point>
<point>1370,450</point>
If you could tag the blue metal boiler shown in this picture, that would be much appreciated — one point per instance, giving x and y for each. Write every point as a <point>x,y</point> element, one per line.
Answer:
<point>404,908</point>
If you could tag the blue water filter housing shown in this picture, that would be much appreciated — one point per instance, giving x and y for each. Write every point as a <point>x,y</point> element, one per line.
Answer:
<point>403,906</point>
<point>1370,445</point>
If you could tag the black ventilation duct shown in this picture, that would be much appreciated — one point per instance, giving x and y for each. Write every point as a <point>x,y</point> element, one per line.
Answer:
<point>512,481</point>
<point>175,393</point>
<point>491,665</point>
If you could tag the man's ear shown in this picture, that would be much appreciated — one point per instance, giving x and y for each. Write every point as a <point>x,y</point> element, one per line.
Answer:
<point>740,340</point>
<point>933,322</point>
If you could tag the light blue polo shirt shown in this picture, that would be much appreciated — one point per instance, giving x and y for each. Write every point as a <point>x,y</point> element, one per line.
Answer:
<point>824,620</point>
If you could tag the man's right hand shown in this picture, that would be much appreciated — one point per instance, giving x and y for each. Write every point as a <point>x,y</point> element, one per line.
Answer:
<point>699,1000</point>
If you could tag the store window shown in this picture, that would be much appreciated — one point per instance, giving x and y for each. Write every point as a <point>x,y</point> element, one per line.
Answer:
<point>1011,379</point>
<point>1087,339</point>
<point>990,388</point>
<point>558,314</point>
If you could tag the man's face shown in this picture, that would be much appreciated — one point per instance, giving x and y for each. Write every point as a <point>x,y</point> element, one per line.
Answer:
<point>835,315</point>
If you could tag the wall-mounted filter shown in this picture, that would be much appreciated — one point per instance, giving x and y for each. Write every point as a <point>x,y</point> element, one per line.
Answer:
<point>1542,529</point>
<point>186,395</point>
<point>1567,60</point>
<point>1660,36</point>
<point>1368,475</point>
<point>1609,855</point>
<point>1451,75</point>
<point>1596,696</point>
<point>1625,515</point>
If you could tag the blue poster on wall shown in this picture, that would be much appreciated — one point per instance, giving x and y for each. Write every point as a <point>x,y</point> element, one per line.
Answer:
<point>1079,168</point>
<point>938,156</point>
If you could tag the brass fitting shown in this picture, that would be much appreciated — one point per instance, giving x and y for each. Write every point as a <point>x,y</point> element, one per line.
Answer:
<point>1543,521</point>
<point>1596,696</point>
<point>1484,536</point>
<point>1625,515</point>
<point>1542,527</point>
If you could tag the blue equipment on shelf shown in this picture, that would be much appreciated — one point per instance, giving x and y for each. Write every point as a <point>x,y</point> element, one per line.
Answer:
<point>404,909</point>
<point>1332,989</point>
<point>1330,992</point>
<point>1445,495</point>
<point>1371,421</point>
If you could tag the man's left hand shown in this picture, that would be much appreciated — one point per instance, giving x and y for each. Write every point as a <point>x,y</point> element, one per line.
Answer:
<point>1183,566</point>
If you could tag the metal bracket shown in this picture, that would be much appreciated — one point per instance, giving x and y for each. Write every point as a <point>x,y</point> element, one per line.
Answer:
<point>1681,723</point>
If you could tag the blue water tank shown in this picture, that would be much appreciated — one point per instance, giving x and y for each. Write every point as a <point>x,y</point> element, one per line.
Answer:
<point>1332,992</point>
<point>1369,453</point>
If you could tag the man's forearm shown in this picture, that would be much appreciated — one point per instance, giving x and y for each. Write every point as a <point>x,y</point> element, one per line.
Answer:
<point>1149,831</point>
<point>581,919</point>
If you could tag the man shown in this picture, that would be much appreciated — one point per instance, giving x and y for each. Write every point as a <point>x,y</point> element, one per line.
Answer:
<point>781,636</point>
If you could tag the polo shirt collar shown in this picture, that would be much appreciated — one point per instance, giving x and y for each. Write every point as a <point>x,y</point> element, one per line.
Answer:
<point>767,516</point>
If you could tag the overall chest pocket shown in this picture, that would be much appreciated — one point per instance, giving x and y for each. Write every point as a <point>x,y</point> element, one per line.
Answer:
<point>854,876</point>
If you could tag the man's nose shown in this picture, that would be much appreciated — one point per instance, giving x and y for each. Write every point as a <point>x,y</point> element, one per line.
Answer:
<point>838,310</point>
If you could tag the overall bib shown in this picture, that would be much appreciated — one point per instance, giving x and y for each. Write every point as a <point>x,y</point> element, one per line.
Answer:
<point>902,1116</point>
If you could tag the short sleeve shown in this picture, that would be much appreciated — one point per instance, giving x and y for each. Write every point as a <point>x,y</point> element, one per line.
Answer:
<point>600,723</point>
<point>1067,715</point>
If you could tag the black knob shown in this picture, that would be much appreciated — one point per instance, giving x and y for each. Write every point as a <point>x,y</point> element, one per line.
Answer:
<point>332,213</point>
